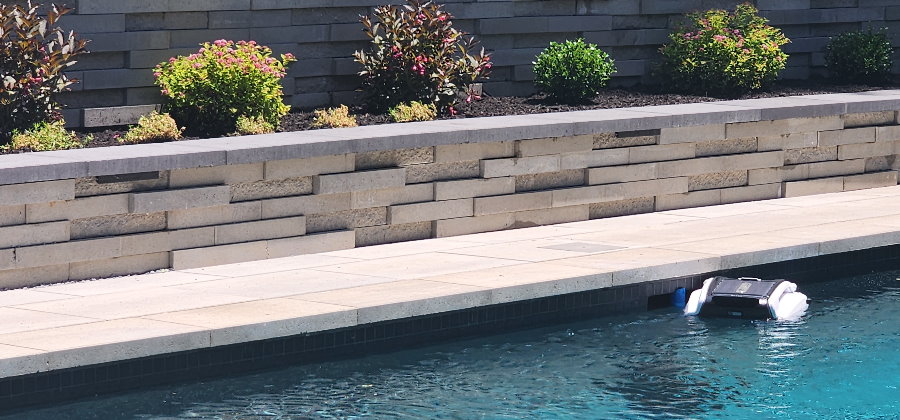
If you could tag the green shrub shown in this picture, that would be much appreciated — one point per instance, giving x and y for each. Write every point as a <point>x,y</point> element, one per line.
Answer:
<point>572,71</point>
<point>253,125</point>
<point>417,55</point>
<point>152,128</point>
<point>860,57</point>
<point>208,91</point>
<point>34,52</point>
<point>334,118</point>
<point>46,136</point>
<point>724,54</point>
<point>413,111</point>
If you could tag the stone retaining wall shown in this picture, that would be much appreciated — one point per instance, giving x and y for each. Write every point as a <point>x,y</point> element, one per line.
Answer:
<point>81,214</point>
<point>129,37</point>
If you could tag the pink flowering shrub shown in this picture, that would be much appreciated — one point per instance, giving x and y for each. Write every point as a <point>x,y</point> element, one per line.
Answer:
<point>724,54</point>
<point>209,90</point>
<point>417,55</point>
<point>34,52</point>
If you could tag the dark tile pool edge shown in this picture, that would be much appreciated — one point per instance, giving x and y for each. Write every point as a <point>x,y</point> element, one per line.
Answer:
<point>22,392</point>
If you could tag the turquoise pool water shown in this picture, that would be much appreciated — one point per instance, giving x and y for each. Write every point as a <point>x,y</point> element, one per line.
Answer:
<point>842,360</point>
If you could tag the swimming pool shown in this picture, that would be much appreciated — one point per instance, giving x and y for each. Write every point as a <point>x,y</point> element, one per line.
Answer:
<point>840,361</point>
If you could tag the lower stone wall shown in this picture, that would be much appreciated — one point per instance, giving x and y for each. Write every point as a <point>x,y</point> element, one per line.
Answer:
<point>111,225</point>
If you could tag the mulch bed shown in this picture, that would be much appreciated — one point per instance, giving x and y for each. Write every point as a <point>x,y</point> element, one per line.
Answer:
<point>504,105</point>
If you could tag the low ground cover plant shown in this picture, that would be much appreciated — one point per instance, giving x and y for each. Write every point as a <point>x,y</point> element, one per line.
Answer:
<point>252,125</point>
<point>46,136</point>
<point>417,55</point>
<point>572,71</point>
<point>153,128</point>
<point>723,53</point>
<point>413,111</point>
<point>860,57</point>
<point>34,52</point>
<point>334,118</point>
<point>207,91</point>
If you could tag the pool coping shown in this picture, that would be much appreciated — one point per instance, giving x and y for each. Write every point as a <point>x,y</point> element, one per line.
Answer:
<point>79,163</point>
<point>617,262</point>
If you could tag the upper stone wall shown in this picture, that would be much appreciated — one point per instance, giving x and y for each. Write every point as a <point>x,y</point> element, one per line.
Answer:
<point>129,37</point>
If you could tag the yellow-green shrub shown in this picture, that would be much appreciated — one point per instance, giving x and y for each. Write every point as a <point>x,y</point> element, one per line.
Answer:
<point>151,128</point>
<point>334,117</point>
<point>413,111</point>
<point>46,136</point>
<point>253,125</point>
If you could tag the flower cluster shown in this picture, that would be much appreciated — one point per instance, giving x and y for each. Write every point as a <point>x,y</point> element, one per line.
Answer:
<point>207,91</point>
<point>722,53</point>
<point>417,55</point>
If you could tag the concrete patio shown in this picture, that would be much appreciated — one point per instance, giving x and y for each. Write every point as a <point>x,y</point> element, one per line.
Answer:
<point>77,324</point>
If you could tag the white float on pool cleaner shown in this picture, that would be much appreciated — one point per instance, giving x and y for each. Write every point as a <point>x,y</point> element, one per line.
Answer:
<point>747,297</point>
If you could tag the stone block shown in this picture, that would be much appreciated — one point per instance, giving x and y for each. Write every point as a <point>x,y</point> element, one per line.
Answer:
<point>717,180</point>
<point>259,230</point>
<point>147,243</point>
<point>442,171</point>
<point>587,195</point>
<point>129,41</point>
<point>434,210</point>
<point>347,219</point>
<point>726,147</point>
<point>700,133</point>
<point>120,266</point>
<point>78,208</point>
<point>476,224</point>
<point>649,188</point>
<point>215,175</point>
<point>311,244</point>
<point>412,193</point>
<point>556,145</point>
<point>188,238</point>
<point>810,154</point>
<point>872,180</point>
<point>865,150</point>
<point>33,234</point>
<point>193,37</point>
<point>779,127</point>
<point>879,163</point>
<point>394,158</point>
<point>218,215</point>
<point>478,187</point>
<point>622,207</point>
<point>292,168</point>
<point>86,187</point>
<point>835,168</point>
<point>626,139</point>
<point>551,216</point>
<point>114,79</point>
<point>117,224</point>
<point>12,215</point>
<point>889,133</point>
<point>359,181</point>
<point>548,180</point>
<point>473,151</point>
<point>73,251</point>
<point>305,205</point>
<point>271,188</point>
<point>865,119</point>
<point>594,158</point>
<point>218,255</point>
<point>37,192</point>
<point>787,141</point>
<point>642,154</point>
<point>751,193</point>
<point>7,259</point>
<point>494,168</point>
<point>513,203</point>
<point>688,200</point>
<point>120,115</point>
<point>387,234</point>
<point>815,186</point>
<point>700,166</point>
<point>624,173</point>
<point>36,276</point>
<point>846,136</point>
<point>148,202</point>
<point>773,175</point>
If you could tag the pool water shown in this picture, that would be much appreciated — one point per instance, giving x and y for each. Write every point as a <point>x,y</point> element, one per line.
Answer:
<point>842,360</point>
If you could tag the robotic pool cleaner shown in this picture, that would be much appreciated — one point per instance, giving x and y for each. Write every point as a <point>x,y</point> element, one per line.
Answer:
<point>747,297</point>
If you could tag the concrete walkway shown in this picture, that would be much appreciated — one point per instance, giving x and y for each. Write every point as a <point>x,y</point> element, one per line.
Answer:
<point>77,324</point>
